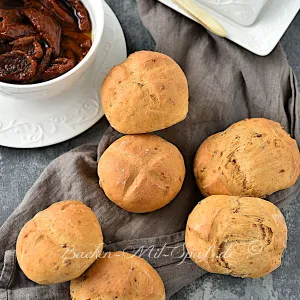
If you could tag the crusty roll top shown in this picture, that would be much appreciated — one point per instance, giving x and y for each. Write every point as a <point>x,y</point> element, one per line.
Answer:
<point>146,93</point>
<point>243,237</point>
<point>49,245</point>
<point>119,275</point>
<point>254,157</point>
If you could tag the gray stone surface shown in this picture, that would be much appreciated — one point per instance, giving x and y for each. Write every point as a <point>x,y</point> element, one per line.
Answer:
<point>20,168</point>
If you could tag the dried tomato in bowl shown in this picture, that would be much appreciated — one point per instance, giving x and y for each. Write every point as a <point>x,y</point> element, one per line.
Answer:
<point>42,39</point>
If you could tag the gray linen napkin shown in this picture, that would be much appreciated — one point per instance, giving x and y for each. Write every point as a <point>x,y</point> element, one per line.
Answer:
<point>227,84</point>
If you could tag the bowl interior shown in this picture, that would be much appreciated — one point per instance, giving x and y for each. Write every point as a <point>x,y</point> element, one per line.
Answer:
<point>96,11</point>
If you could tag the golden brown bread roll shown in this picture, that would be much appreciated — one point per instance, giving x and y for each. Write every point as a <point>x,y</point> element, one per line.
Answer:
<point>146,93</point>
<point>119,275</point>
<point>242,237</point>
<point>254,157</point>
<point>141,173</point>
<point>59,243</point>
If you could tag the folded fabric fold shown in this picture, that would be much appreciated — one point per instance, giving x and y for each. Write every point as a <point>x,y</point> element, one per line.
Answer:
<point>8,269</point>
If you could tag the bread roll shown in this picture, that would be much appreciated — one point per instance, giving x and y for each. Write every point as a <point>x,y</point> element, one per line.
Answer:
<point>119,275</point>
<point>146,93</point>
<point>59,243</point>
<point>254,157</point>
<point>242,237</point>
<point>141,173</point>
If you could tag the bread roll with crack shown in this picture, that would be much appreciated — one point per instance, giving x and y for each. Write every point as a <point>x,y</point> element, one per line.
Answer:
<point>119,275</point>
<point>146,93</point>
<point>242,237</point>
<point>59,243</point>
<point>254,157</point>
<point>141,173</point>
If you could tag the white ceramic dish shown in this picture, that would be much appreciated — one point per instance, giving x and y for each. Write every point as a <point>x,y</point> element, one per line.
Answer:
<point>36,123</point>
<point>243,12</point>
<point>65,82</point>
<point>264,34</point>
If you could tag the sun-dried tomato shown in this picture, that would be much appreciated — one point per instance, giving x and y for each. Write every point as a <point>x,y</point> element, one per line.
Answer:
<point>82,14</point>
<point>12,25</point>
<point>48,27</point>
<point>17,66</point>
<point>30,45</point>
<point>57,68</point>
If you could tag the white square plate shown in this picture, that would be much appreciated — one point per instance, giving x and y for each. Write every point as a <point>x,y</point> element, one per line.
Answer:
<point>264,34</point>
<point>243,12</point>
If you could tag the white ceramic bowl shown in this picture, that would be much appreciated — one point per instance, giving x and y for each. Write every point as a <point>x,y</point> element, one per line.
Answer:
<point>243,12</point>
<point>54,87</point>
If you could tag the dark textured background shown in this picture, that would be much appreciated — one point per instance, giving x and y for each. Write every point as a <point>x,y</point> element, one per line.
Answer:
<point>20,168</point>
